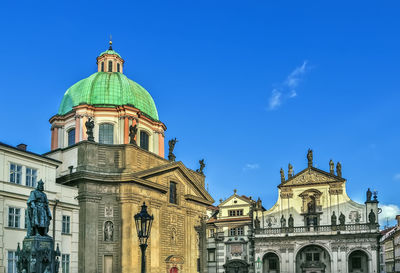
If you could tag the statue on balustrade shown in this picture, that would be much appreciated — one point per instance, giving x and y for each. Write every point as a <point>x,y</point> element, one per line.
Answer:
<point>372,217</point>
<point>282,176</point>
<point>331,167</point>
<point>132,134</point>
<point>291,221</point>
<point>333,219</point>
<point>369,195</point>
<point>283,221</point>
<point>257,223</point>
<point>342,219</point>
<point>339,169</point>
<point>89,129</point>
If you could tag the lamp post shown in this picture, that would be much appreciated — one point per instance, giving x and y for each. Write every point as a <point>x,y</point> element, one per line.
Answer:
<point>143,222</point>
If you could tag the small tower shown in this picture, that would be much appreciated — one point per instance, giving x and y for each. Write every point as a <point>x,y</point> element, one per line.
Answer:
<point>110,61</point>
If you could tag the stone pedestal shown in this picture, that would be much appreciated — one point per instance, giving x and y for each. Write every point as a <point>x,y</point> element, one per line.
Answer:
<point>38,255</point>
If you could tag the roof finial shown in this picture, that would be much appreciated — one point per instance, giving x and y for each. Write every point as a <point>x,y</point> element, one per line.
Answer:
<point>110,48</point>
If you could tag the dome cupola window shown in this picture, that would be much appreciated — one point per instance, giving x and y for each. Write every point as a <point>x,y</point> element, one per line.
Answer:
<point>71,137</point>
<point>109,66</point>
<point>102,66</point>
<point>118,67</point>
<point>106,133</point>
<point>144,140</point>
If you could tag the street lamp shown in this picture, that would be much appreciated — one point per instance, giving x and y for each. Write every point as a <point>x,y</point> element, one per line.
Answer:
<point>143,222</point>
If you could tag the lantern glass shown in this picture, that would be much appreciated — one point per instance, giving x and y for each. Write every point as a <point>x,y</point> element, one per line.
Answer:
<point>143,221</point>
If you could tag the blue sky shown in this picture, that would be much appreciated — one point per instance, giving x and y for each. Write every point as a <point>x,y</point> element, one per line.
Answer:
<point>247,85</point>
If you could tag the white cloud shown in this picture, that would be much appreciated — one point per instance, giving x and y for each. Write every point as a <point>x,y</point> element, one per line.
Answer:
<point>396,176</point>
<point>286,90</point>
<point>251,166</point>
<point>388,213</point>
<point>275,99</point>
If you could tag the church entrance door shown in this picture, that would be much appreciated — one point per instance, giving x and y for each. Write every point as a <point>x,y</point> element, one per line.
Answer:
<point>236,266</point>
<point>173,270</point>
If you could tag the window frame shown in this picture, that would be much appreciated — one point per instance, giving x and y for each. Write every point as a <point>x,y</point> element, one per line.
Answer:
<point>70,136</point>
<point>29,177</point>
<point>16,173</point>
<point>14,218</point>
<point>118,67</point>
<point>142,139</point>
<point>110,64</point>
<point>173,193</point>
<point>104,133</point>
<point>209,252</point>
<point>13,260</point>
<point>102,66</point>
<point>66,224</point>
<point>65,263</point>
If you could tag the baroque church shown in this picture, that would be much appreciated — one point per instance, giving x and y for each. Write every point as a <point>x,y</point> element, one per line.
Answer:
<point>314,227</point>
<point>110,140</point>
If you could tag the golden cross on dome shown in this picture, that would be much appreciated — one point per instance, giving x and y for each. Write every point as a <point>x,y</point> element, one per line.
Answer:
<point>110,42</point>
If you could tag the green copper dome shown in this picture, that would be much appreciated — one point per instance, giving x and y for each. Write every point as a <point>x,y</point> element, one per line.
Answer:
<point>108,90</point>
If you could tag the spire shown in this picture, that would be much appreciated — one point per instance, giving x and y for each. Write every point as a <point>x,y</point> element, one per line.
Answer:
<point>110,42</point>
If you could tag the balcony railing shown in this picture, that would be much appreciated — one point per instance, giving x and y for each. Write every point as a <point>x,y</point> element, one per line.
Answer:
<point>326,229</point>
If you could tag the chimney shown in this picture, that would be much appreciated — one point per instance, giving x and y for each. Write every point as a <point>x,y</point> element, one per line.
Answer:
<point>21,147</point>
<point>398,220</point>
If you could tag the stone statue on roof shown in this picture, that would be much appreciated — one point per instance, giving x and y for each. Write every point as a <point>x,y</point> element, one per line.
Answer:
<point>331,167</point>
<point>310,157</point>
<point>202,166</point>
<point>171,144</point>
<point>132,134</point>
<point>282,176</point>
<point>339,169</point>
<point>89,129</point>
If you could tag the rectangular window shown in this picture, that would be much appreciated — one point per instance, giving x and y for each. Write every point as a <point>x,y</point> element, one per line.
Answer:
<point>109,66</point>
<point>15,173</point>
<point>14,215</point>
<point>102,66</point>
<point>31,177</point>
<point>316,257</point>
<point>66,220</point>
<point>65,263</point>
<point>106,133</point>
<point>11,262</point>
<point>211,255</point>
<point>144,140</point>
<point>232,232</point>
<point>118,67</point>
<point>212,233</point>
<point>308,257</point>
<point>232,213</point>
<point>240,231</point>
<point>71,137</point>
<point>172,193</point>
<point>239,212</point>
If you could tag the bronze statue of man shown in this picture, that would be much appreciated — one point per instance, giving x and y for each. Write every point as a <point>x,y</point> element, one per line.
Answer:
<point>39,215</point>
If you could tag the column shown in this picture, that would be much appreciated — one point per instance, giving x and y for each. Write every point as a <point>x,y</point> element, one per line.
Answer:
<point>126,130</point>
<point>77,128</point>
<point>84,135</point>
<point>161,145</point>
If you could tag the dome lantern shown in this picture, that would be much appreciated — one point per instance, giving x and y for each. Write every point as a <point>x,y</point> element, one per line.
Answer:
<point>110,61</point>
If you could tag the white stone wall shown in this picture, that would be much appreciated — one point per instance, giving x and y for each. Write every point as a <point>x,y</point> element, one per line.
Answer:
<point>14,195</point>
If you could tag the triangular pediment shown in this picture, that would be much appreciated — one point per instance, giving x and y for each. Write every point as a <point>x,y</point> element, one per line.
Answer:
<point>312,175</point>
<point>198,193</point>
<point>235,200</point>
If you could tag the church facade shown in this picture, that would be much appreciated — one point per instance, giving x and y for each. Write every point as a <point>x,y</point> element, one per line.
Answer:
<point>109,138</point>
<point>315,227</point>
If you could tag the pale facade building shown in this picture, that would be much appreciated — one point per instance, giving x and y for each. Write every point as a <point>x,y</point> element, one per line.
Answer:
<point>229,236</point>
<point>390,243</point>
<point>315,227</point>
<point>20,170</point>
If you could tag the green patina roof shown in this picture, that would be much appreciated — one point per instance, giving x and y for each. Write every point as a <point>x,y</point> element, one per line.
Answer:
<point>111,52</point>
<point>109,90</point>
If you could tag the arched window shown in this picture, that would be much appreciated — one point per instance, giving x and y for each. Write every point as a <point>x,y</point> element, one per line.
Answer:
<point>71,137</point>
<point>106,133</point>
<point>118,67</point>
<point>144,140</point>
<point>109,66</point>
<point>102,66</point>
